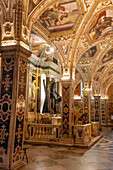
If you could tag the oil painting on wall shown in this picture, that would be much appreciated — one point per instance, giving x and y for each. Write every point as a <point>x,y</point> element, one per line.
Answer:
<point>61,16</point>
<point>100,24</point>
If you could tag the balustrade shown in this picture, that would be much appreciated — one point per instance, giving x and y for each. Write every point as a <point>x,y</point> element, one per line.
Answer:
<point>81,134</point>
<point>44,131</point>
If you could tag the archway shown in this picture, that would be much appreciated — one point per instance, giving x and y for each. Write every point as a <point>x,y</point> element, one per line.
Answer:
<point>44,88</point>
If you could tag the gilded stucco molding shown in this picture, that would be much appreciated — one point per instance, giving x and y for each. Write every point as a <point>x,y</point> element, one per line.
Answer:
<point>105,6</point>
<point>107,70</point>
<point>101,54</point>
<point>108,83</point>
<point>98,63</point>
<point>81,30</point>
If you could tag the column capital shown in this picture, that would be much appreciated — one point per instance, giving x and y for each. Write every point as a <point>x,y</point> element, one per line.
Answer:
<point>68,73</point>
<point>15,50</point>
<point>67,80</point>
<point>86,90</point>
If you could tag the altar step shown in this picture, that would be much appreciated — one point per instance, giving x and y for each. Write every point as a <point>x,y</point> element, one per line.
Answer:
<point>65,142</point>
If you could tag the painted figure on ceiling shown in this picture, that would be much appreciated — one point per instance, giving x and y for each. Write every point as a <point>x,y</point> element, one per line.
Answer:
<point>102,22</point>
<point>107,57</point>
<point>90,53</point>
<point>61,16</point>
<point>55,14</point>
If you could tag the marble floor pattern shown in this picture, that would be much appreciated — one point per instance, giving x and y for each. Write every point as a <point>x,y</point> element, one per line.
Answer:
<point>99,157</point>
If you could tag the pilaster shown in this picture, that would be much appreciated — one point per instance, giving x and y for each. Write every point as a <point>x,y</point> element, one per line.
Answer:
<point>67,107</point>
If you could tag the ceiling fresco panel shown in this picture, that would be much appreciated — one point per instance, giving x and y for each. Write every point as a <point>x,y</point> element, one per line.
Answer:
<point>61,16</point>
<point>90,53</point>
<point>110,72</point>
<point>100,24</point>
<point>108,57</point>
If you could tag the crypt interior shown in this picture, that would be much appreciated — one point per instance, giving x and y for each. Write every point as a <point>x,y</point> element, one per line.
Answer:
<point>56,84</point>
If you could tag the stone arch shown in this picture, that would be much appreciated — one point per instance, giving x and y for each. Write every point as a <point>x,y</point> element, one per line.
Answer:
<point>46,37</point>
<point>79,32</point>
<point>109,83</point>
<point>31,19</point>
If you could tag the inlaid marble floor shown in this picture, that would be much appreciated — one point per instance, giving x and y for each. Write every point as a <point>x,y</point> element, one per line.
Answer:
<point>99,157</point>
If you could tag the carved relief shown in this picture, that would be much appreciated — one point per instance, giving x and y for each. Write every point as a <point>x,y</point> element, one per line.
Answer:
<point>8,30</point>
<point>87,3</point>
<point>84,40</point>
<point>25,32</point>
<point>104,4</point>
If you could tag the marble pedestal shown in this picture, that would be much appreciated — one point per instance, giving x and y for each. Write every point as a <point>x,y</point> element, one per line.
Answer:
<point>82,134</point>
<point>95,129</point>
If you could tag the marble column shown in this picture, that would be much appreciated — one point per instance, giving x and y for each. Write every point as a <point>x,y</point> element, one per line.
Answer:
<point>86,105</point>
<point>12,104</point>
<point>67,108</point>
<point>97,114</point>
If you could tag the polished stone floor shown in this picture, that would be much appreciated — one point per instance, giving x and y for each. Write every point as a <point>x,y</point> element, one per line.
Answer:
<point>99,157</point>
